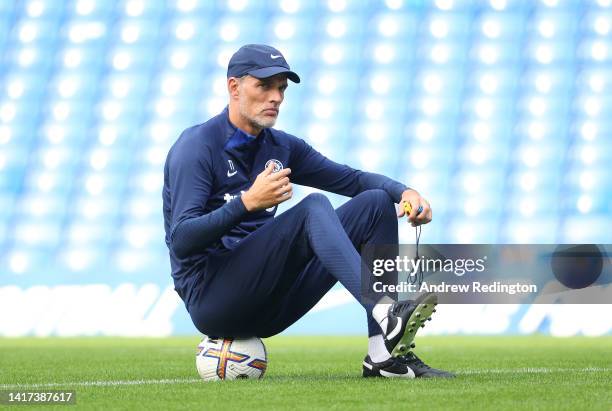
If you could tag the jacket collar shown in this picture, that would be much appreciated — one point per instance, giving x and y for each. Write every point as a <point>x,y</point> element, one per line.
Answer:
<point>238,138</point>
<point>235,137</point>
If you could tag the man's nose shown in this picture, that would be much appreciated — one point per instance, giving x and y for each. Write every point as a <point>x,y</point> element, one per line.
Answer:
<point>276,96</point>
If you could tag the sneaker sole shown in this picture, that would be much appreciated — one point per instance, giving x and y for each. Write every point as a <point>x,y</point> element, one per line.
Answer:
<point>416,321</point>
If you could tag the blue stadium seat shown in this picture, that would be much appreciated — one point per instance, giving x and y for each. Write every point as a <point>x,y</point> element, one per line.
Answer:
<point>499,116</point>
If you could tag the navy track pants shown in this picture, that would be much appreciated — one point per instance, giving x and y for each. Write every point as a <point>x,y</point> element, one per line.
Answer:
<point>278,273</point>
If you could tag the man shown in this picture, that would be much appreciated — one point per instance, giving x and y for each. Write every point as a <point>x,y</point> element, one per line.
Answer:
<point>240,271</point>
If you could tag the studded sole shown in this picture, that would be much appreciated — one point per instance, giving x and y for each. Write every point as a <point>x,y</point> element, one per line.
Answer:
<point>416,320</point>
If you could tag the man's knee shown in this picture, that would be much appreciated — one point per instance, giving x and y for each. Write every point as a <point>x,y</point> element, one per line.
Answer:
<point>316,201</point>
<point>316,198</point>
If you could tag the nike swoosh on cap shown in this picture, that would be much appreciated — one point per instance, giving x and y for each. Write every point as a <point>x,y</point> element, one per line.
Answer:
<point>273,56</point>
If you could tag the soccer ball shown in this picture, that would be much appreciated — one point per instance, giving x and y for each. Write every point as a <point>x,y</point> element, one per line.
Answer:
<point>230,359</point>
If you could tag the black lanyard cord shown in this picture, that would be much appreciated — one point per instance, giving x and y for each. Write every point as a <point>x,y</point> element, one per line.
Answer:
<point>417,233</point>
<point>418,278</point>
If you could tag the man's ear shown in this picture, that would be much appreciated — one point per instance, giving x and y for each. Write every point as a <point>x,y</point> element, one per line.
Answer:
<point>233,85</point>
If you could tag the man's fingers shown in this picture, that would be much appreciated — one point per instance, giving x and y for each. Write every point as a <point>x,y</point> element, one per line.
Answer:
<point>425,209</point>
<point>286,195</point>
<point>282,189</point>
<point>429,214</point>
<point>278,175</point>
<point>415,210</point>
<point>401,209</point>
<point>424,217</point>
<point>268,170</point>
<point>277,186</point>
<point>283,181</point>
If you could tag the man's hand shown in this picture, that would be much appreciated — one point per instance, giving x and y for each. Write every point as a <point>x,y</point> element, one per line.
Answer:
<point>268,190</point>
<point>415,200</point>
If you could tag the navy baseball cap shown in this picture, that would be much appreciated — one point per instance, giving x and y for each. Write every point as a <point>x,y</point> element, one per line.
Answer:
<point>259,61</point>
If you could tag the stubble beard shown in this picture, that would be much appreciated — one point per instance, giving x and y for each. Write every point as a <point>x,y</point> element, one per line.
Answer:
<point>255,121</point>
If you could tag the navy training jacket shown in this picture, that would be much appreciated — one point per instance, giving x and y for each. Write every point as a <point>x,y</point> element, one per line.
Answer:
<point>209,167</point>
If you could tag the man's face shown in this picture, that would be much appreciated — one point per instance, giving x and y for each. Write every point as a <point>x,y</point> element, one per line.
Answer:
<point>260,99</point>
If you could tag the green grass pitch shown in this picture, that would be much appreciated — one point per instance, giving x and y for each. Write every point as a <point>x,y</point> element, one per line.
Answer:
<point>308,373</point>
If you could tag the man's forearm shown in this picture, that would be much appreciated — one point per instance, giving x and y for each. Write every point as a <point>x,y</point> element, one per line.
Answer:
<point>197,233</point>
<point>369,181</point>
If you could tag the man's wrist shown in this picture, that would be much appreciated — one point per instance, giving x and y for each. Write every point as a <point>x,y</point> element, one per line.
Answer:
<point>246,201</point>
